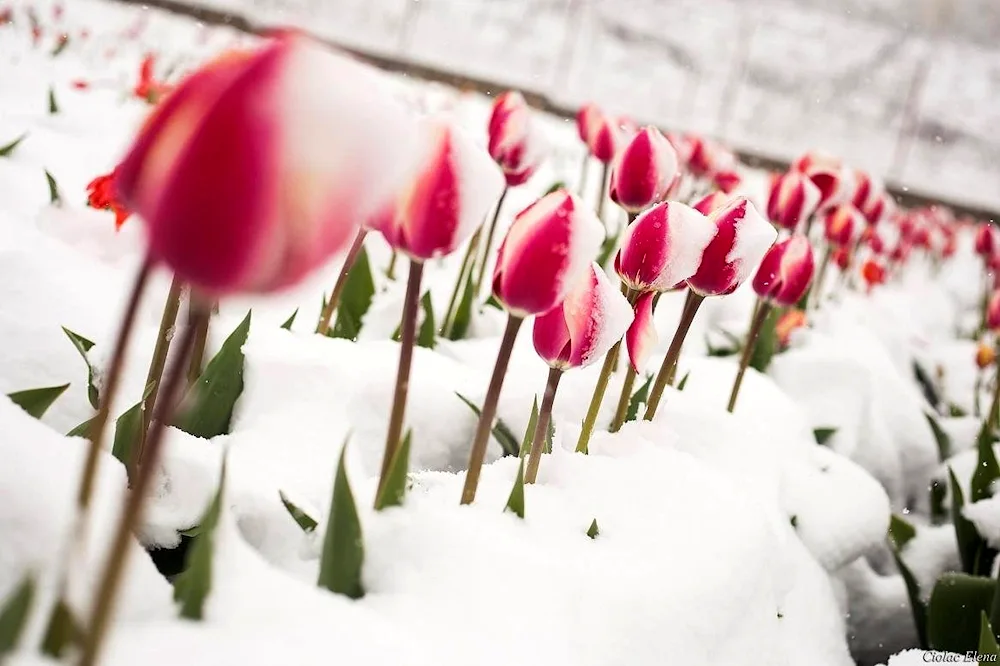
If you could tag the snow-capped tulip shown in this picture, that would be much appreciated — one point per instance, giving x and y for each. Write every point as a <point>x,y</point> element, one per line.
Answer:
<point>711,202</point>
<point>993,312</point>
<point>741,238</point>
<point>549,245</point>
<point>793,198</point>
<point>643,171</point>
<point>866,190</point>
<point>785,272</point>
<point>663,247</point>
<point>985,356</point>
<point>453,188</point>
<point>592,318</point>
<point>512,143</point>
<point>841,224</point>
<point>250,174</point>
<point>986,240</point>
<point>641,336</point>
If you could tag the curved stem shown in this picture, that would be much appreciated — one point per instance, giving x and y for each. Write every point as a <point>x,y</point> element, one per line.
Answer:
<point>482,436</point>
<point>666,374</point>
<point>759,315</point>
<point>542,425</point>
<point>338,288</point>
<point>489,242</point>
<point>390,271</point>
<point>589,421</point>
<point>602,193</point>
<point>409,335</point>
<point>463,276</point>
<point>115,566</point>
<point>815,291</point>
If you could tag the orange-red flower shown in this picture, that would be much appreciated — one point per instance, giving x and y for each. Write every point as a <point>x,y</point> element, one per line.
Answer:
<point>101,195</point>
<point>789,322</point>
<point>873,273</point>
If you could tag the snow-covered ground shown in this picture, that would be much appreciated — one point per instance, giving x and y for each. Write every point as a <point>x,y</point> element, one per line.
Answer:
<point>725,539</point>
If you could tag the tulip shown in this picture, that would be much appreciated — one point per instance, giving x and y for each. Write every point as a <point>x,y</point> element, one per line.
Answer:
<point>792,198</point>
<point>986,240</point>
<point>741,238</point>
<point>512,144</point>
<point>841,224</point>
<point>700,155</point>
<point>585,118</point>
<point>101,195</point>
<point>877,209</point>
<point>866,190</point>
<point>643,171</point>
<point>604,137</point>
<point>873,274</point>
<point>549,247</point>
<point>727,180</point>
<point>575,334</point>
<point>815,160</point>
<point>788,323</point>
<point>834,185</point>
<point>993,312</point>
<point>986,356</point>
<point>782,279</point>
<point>711,202</point>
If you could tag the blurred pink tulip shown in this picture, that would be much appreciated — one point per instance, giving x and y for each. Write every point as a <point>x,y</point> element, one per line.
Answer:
<point>641,338</point>
<point>643,171</point>
<point>512,143</point>
<point>842,224</point>
<point>741,238</point>
<point>711,202</point>
<point>785,272</point>
<point>792,199</point>
<point>986,240</point>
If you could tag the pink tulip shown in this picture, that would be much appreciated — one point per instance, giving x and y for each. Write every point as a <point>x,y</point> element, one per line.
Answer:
<point>814,160</point>
<point>878,209</point>
<point>835,185</point>
<point>512,144</point>
<point>663,247</point>
<point>792,199</point>
<point>741,238</point>
<point>727,180</point>
<point>993,312</point>
<point>454,186</point>
<point>986,240</point>
<point>866,190</point>
<point>785,272</point>
<point>251,174</point>
<point>643,171</point>
<point>585,118</point>
<point>601,133</point>
<point>841,224</point>
<point>641,336</point>
<point>701,159</point>
<point>711,202</point>
<point>594,316</point>
<point>549,245</point>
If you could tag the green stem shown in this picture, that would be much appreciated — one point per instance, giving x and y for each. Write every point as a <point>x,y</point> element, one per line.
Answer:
<point>589,421</point>
<point>602,193</point>
<point>463,276</point>
<point>666,374</point>
<point>409,335</point>
<point>984,305</point>
<point>489,242</point>
<point>630,374</point>
<point>478,453</point>
<point>759,315</point>
<point>390,271</point>
<point>977,387</point>
<point>816,289</point>
<point>338,288</point>
<point>542,425</point>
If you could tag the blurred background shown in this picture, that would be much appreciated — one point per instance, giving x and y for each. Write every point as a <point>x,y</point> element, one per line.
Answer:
<point>908,89</point>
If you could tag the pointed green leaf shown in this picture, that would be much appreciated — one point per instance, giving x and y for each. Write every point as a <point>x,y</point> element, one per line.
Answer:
<point>53,106</point>
<point>767,342</point>
<point>82,430</point>
<point>719,352</point>
<point>343,544</point>
<point>501,432</point>
<point>83,345</point>
<point>128,428</point>
<point>529,432</point>
<point>640,397</point>
<point>7,150</point>
<point>955,411</point>
<point>208,406</point>
<point>426,336</point>
<point>37,401</point>
<point>191,532</point>
<point>917,606</point>
<point>940,437</point>
<point>301,518</point>
<point>954,611</point>
<point>823,435</point>
<point>194,584</point>
<point>54,196</point>
<point>969,542</point>
<point>900,532</point>
<point>493,302</point>
<point>987,639</point>
<point>463,315</point>
<point>355,299</point>
<point>515,502</point>
<point>684,381</point>
<point>291,320</point>
<point>394,489</point>
<point>63,630</point>
<point>14,615</point>
<point>550,434</point>
<point>938,492</point>
<point>558,185</point>
<point>987,470</point>
<point>593,531</point>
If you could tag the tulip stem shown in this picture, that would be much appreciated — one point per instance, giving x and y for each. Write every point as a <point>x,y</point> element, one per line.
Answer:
<point>666,374</point>
<point>977,387</point>
<point>757,321</point>
<point>816,289</point>
<point>602,193</point>
<point>390,271</point>
<point>590,420</point>
<point>463,276</point>
<point>323,326</point>
<point>195,365</point>
<point>489,242</point>
<point>630,374</point>
<point>485,425</point>
<point>583,173</point>
<point>542,425</point>
<point>131,516</point>
<point>409,334</point>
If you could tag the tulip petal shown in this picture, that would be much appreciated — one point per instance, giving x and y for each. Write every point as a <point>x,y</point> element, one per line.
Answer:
<point>641,337</point>
<point>597,315</point>
<point>550,336</point>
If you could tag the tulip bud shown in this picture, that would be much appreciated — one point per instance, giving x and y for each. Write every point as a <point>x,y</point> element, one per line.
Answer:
<point>985,356</point>
<point>866,190</point>
<point>549,245</point>
<point>512,144</point>
<point>727,180</point>
<point>787,324</point>
<point>711,202</point>
<point>249,175</point>
<point>835,185</point>
<point>641,338</point>
<point>793,198</point>
<point>700,155</point>
<point>785,272</point>
<point>877,209</point>
<point>841,223</point>
<point>663,247</point>
<point>742,237</point>
<point>584,120</point>
<point>986,240</point>
<point>841,257</point>
<point>643,171</point>
<point>594,316</point>
<point>603,136</point>
<point>993,312</point>
<point>454,186</point>
<point>815,160</point>
<point>873,240</point>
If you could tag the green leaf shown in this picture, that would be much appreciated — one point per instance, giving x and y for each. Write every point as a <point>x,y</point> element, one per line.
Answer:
<point>54,196</point>
<point>128,428</point>
<point>719,352</point>
<point>938,492</point>
<point>343,544</point>
<point>558,185</point>
<point>900,532</point>
<point>987,470</point>
<point>823,435</point>
<point>83,345</point>
<point>7,149</point>
<point>684,381</point>
<point>53,106</point>
<point>82,430</point>
<point>194,584</point>
<point>767,342</point>
<point>426,336</point>
<point>14,615</point>
<point>640,397</point>
<point>301,518</point>
<point>971,546</point>
<point>191,532</point>
<point>515,503</point>
<point>927,385</point>
<point>355,299</point>
<point>208,405</point>
<point>550,433</point>
<point>917,605</point>
<point>593,531</point>
<point>63,630</point>
<point>291,320</point>
<point>955,411</point>
<point>987,639</point>
<point>37,401</point>
<point>529,432</point>
<point>501,432</point>
<point>463,314</point>
<point>493,302</point>
<point>955,609</point>
<point>394,489</point>
<point>940,437</point>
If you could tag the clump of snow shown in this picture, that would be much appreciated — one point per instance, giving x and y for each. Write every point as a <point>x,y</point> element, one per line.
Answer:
<point>985,515</point>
